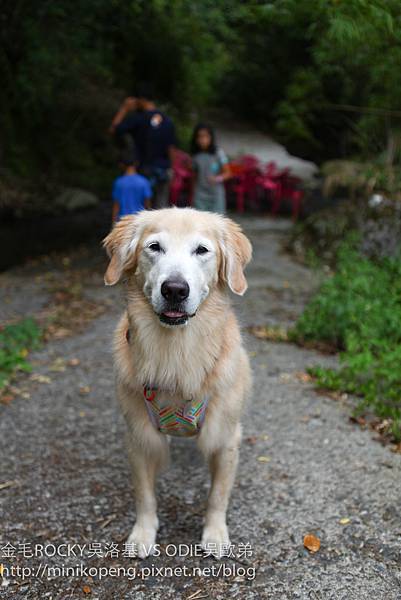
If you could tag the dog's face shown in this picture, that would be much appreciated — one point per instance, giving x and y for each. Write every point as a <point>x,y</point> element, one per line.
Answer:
<point>178,271</point>
<point>177,257</point>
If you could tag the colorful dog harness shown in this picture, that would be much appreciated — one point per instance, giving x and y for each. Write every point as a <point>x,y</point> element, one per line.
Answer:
<point>184,421</point>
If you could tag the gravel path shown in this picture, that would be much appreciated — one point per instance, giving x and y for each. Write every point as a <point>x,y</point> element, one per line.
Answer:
<point>304,468</point>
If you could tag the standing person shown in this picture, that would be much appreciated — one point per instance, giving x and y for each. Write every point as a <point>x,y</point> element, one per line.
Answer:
<point>131,192</point>
<point>154,135</point>
<point>210,165</point>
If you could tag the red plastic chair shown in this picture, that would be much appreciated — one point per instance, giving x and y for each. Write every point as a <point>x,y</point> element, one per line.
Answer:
<point>182,177</point>
<point>270,181</point>
<point>289,191</point>
<point>244,174</point>
<point>250,162</point>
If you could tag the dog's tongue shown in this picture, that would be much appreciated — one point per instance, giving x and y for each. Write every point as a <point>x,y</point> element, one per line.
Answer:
<point>173,314</point>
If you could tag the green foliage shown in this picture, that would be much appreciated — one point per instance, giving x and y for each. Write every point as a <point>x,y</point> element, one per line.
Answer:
<point>372,230</point>
<point>361,179</point>
<point>15,342</point>
<point>65,69</point>
<point>316,71</point>
<point>358,310</point>
<point>289,65</point>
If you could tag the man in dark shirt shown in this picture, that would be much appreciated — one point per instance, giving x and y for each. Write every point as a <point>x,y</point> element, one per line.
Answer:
<point>154,137</point>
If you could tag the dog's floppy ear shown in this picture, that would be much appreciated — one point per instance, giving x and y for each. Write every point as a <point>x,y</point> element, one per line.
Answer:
<point>237,252</point>
<point>120,246</point>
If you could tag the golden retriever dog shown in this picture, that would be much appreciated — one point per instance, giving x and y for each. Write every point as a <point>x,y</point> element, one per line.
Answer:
<point>180,365</point>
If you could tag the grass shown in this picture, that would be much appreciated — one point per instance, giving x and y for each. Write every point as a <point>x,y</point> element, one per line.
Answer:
<point>358,311</point>
<point>15,343</point>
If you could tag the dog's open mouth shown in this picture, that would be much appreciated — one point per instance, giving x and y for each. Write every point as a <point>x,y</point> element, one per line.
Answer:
<point>174,317</point>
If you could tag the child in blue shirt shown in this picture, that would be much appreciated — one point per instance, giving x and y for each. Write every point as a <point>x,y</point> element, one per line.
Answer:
<point>131,192</point>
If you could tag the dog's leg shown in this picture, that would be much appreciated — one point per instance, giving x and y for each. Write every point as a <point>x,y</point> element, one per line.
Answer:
<point>145,466</point>
<point>223,464</point>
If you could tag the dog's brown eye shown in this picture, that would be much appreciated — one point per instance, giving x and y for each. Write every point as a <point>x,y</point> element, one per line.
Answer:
<point>155,247</point>
<point>201,250</point>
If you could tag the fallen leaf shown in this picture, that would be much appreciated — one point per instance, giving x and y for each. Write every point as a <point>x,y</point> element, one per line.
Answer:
<point>86,589</point>
<point>7,484</point>
<point>74,362</point>
<point>40,378</point>
<point>58,365</point>
<point>345,521</point>
<point>7,398</point>
<point>304,377</point>
<point>311,542</point>
<point>252,439</point>
<point>359,420</point>
<point>264,459</point>
<point>266,332</point>
<point>60,332</point>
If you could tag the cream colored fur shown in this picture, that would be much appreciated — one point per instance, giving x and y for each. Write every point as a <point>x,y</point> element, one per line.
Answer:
<point>204,357</point>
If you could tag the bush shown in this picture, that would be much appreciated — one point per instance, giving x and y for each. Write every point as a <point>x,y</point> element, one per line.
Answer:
<point>358,310</point>
<point>324,76</point>
<point>15,343</point>
<point>374,231</point>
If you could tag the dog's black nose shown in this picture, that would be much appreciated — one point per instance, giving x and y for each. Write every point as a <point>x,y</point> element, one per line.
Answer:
<point>175,290</point>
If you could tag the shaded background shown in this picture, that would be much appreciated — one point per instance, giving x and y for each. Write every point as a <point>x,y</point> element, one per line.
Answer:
<point>322,77</point>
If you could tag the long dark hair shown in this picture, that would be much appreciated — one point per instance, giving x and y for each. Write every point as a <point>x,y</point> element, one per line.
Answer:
<point>194,143</point>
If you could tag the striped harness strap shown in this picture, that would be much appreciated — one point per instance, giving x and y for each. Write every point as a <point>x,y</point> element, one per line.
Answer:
<point>183,421</point>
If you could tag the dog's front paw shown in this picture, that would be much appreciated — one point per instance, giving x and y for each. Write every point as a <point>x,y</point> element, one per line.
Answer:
<point>143,540</point>
<point>215,540</point>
